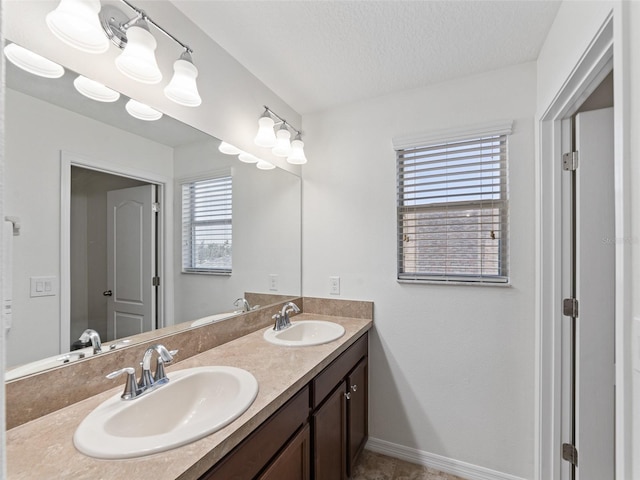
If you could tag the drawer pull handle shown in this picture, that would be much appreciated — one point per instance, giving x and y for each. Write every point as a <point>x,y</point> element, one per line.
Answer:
<point>348,395</point>
<point>354,388</point>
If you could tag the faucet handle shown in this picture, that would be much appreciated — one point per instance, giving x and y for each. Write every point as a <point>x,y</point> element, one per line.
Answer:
<point>130,387</point>
<point>278,321</point>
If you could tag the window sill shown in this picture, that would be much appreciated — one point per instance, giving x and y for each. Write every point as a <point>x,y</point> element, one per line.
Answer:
<point>455,282</point>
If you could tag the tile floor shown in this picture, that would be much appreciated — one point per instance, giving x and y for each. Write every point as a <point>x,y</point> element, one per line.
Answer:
<point>374,466</point>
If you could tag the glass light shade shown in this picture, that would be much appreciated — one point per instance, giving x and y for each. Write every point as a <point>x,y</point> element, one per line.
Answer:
<point>182,88</point>
<point>32,62</point>
<point>229,149</point>
<point>138,60</point>
<point>76,23</point>
<point>265,137</point>
<point>95,90</point>
<point>248,158</point>
<point>297,156</point>
<point>141,111</point>
<point>263,165</point>
<point>283,142</point>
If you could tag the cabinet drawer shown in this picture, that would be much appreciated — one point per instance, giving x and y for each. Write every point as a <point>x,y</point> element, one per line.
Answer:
<point>324,383</point>
<point>249,458</point>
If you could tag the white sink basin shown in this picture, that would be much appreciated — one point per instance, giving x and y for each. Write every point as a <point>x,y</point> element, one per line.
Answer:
<point>213,318</point>
<point>195,403</point>
<point>305,333</point>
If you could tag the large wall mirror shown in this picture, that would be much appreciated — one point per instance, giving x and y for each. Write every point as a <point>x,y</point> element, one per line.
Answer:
<point>63,154</point>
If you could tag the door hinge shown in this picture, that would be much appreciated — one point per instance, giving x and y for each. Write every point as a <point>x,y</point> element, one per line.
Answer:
<point>155,281</point>
<point>570,161</point>
<point>570,453</point>
<point>155,207</point>
<point>570,307</point>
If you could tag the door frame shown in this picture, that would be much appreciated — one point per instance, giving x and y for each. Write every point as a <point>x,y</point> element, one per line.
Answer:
<point>603,54</point>
<point>165,238</point>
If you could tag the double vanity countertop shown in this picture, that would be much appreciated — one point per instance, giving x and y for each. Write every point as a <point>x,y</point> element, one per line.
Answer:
<point>43,448</point>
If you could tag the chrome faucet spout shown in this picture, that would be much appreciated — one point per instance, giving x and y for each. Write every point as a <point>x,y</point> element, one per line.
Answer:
<point>246,307</point>
<point>94,337</point>
<point>147,380</point>
<point>287,308</point>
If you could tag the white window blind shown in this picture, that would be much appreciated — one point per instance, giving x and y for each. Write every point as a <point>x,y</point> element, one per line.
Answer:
<point>206,225</point>
<point>453,211</point>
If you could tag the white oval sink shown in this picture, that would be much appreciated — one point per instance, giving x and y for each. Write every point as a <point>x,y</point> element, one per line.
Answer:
<point>195,403</point>
<point>305,333</point>
<point>213,318</point>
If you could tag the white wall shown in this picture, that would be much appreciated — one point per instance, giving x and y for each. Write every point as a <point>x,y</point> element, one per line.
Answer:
<point>38,131</point>
<point>452,367</point>
<point>266,222</point>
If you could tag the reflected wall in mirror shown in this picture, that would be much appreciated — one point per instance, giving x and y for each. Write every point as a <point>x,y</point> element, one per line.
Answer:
<point>59,148</point>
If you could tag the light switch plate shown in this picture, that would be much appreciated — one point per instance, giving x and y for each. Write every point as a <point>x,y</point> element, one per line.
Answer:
<point>44,286</point>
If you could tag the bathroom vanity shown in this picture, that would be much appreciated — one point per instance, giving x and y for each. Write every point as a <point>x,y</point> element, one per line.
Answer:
<point>309,419</point>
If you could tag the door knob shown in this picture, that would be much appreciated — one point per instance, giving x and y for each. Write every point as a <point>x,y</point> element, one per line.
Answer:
<point>107,293</point>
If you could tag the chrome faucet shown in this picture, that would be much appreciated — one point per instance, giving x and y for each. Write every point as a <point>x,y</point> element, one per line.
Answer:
<point>147,382</point>
<point>282,319</point>
<point>159,377</point>
<point>245,305</point>
<point>94,337</point>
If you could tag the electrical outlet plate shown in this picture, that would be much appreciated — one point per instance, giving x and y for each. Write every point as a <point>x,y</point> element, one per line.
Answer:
<point>334,285</point>
<point>273,282</point>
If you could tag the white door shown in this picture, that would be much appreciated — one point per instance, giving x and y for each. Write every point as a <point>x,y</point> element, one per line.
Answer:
<point>595,291</point>
<point>131,257</point>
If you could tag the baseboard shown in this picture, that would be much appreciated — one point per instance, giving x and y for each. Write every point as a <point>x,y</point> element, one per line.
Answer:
<point>438,462</point>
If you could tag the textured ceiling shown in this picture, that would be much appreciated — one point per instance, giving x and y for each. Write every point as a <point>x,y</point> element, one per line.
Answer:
<point>317,54</point>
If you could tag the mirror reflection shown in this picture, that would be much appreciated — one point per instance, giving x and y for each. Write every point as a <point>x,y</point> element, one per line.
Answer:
<point>99,241</point>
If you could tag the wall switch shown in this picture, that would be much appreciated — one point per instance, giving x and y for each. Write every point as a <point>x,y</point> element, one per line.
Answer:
<point>44,286</point>
<point>273,282</point>
<point>334,285</point>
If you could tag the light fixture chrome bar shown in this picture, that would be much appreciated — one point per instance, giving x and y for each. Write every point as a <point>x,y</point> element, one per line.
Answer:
<point>140,14</point>
<point>281,120</point>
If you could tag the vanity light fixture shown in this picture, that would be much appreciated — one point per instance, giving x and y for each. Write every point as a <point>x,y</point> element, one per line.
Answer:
<point>32,62</point>
<point>141,111</point>
<point>95,90</point>
<point>182,88</point>
<point>229,149</point>
<point>264,165</point>
<point>265,137</point>
<point>280,141</point>
<point>83,25</point>
<point>297,156</point>
<point>76,23</point>
<point>248,158</point>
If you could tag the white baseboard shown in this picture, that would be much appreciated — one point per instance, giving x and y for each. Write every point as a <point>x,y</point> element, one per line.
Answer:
<point>438,462</point>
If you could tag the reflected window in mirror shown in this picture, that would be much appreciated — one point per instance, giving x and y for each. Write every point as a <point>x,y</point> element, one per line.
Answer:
<point>206,225</point>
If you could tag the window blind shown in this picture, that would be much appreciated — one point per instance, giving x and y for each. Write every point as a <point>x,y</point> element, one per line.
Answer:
<point>453,211</point>
<point>206,225</point>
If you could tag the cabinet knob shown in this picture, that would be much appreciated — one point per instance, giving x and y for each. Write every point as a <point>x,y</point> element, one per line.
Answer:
<point>348,395</point>
<point>354,388</point>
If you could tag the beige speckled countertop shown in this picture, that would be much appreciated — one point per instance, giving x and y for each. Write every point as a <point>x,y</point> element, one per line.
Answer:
<point>43,448</point>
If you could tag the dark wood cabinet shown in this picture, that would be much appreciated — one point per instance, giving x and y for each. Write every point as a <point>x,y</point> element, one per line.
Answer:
<point>357,412</point>
<point>317,434</point>
<point>293,462</point>
<point>330,437</point>
<point>340,418</point>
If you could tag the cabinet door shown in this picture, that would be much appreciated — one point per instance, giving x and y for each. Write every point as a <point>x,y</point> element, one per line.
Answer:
<point>293,462</point>
<point>329,436</point>
<point>357,412</point>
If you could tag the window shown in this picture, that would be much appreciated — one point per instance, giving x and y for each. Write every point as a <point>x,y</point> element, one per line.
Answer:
<point>206,225</point>
<point>453,210</point>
